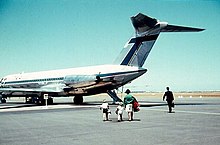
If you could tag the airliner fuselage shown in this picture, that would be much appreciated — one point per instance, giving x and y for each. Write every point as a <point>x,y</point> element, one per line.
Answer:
<point>71,82</point>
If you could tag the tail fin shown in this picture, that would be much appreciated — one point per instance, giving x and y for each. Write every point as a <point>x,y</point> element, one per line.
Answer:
<point>147,31</point>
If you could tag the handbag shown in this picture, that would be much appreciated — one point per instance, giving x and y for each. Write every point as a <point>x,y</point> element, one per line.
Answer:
<point>136,106</point>
<point>172,105</point>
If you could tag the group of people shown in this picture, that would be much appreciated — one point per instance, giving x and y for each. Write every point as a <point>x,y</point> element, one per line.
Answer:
<point>130,105</point>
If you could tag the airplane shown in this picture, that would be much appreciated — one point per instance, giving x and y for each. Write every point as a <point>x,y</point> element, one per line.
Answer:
<point>84,81</point>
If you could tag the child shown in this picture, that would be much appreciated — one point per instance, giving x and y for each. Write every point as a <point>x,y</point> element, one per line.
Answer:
<point>119,111</point>
<point>105,110</point>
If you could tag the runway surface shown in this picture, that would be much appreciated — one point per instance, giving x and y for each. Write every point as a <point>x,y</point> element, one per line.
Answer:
<point>195,121</point>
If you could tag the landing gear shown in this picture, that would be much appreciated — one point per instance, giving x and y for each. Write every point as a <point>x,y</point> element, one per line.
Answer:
<point>78,100</point>
<point>50,101</point>
<point>38,100</point>
<point>42,101</point>
<point>29,100</point>
<point>34,100</point>
<point>3,100</point>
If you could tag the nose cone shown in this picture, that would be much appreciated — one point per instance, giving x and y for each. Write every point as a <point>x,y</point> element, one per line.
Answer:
<point>142,71</point>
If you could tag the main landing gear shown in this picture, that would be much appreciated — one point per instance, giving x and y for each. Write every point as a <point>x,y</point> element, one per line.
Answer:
<point>38,100</point>
<point>78,100</point>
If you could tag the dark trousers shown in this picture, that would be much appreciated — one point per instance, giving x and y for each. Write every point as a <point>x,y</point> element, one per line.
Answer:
<point>169,106</point>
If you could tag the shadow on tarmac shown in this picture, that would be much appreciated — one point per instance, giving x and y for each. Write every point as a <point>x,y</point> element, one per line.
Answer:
<point>114,120</point>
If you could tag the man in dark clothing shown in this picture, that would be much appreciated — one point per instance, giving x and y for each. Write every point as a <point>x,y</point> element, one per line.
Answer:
<point>169,98</point>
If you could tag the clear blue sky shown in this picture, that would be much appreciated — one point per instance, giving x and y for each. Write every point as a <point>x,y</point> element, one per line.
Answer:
<point>38,35</point>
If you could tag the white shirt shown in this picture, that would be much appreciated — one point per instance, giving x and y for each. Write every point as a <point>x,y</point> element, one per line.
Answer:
<point>120,109</point>
<point>104,106</point>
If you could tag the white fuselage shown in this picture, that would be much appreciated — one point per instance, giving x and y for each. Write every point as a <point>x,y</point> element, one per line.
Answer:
<point>84,77</point>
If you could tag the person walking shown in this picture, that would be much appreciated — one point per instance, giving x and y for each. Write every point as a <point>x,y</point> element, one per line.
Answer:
<point>105,110</point>
<point>128,102</point>
<point>169,98</point>
<point>119,111</point>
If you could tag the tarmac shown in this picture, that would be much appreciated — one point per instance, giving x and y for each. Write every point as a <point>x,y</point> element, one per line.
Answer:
<point>194,121</point>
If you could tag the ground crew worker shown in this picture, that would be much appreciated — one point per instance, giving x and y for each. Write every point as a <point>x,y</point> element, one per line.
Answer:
<point>169,98</point>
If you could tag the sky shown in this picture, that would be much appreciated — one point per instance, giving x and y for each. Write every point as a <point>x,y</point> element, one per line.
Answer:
<point>38,35</point>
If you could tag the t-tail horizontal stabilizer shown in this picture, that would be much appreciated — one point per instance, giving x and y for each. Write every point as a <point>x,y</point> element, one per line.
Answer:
<point>147,25</point>
<point>147,31</point>
<point>174,28</point>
